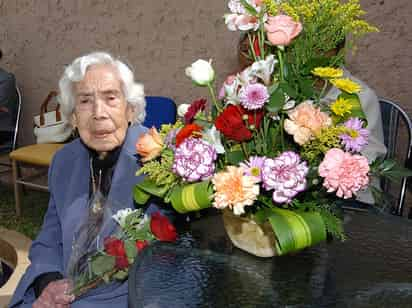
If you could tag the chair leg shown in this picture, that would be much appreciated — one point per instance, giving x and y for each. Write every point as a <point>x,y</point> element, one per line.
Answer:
<point>17,188</point>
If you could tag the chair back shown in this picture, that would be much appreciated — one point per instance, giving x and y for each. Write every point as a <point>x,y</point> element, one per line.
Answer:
<point>11,144</point>
<point>18,115</point>
<point>397,131</point>
<point>159,110</point>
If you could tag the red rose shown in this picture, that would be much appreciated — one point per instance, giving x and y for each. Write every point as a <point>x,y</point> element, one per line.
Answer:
<point>194,108</point>
<point>114,247</point>
<point>121,262</point>
<point>190,130</point>
<point>231,124</point>
<point>141,244</point>
<point>162,229</point>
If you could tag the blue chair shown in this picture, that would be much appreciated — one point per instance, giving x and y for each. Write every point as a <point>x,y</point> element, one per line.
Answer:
<point>159,110</point>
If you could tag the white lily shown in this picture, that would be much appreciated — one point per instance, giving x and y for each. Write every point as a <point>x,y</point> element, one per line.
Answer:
<point>212,136</point>
<point>263,69</point>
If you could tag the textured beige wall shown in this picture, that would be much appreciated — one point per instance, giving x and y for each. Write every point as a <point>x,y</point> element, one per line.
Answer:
<point>159,38</point>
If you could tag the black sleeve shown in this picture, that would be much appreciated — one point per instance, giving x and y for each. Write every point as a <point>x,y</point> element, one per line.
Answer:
<point>41,282</point>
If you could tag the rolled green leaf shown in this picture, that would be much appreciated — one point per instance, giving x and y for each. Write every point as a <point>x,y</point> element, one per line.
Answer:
<point>143,190</point>
<point>192,197</point>
<point>294,230</point>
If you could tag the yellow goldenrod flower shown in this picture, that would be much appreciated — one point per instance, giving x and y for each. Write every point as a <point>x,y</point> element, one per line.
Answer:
<point>271,7</point>
<point>341,107</point>
<point>327,72</point>
<point>346,85</point>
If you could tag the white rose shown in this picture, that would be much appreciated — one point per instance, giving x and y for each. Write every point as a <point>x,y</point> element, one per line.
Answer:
<point>182,109</point>
<point>201,72</point>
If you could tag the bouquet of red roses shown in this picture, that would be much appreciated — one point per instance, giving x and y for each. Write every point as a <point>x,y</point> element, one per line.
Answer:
<point>89,268</point>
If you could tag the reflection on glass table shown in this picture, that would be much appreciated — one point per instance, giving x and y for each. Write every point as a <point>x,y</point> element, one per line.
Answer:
<point>372,268</point>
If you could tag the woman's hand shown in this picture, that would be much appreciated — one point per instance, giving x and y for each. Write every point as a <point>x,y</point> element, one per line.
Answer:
<point>55,295</point>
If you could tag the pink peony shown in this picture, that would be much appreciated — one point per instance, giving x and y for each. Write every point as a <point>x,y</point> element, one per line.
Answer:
<point>282,29</point>
<point>305,121</point>
<point>344,173</point>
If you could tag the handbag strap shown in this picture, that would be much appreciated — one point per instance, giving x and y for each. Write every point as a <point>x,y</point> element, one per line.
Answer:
<point>43,108</point>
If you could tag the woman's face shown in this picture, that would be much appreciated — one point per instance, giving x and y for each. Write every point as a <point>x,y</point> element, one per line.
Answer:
<point>101,113</point>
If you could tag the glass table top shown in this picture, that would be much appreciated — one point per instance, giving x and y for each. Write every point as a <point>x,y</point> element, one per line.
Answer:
<point>372,268</point>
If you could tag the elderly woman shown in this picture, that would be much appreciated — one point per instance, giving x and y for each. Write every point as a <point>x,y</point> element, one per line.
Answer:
<point>107,107</point>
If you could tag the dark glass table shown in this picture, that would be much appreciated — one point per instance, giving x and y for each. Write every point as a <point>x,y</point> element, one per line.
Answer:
<point>372,268</point>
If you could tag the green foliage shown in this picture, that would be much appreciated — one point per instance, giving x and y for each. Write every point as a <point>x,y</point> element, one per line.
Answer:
<point>137,227</point>
<point>389,169</point>
<point>120,275</point>
<point>102,264</point>
<point>160,172</point>
<point>331,219</point>
<point>314,150</point>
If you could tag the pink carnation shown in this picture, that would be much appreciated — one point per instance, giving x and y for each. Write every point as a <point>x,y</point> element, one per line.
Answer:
<point>344,173</point>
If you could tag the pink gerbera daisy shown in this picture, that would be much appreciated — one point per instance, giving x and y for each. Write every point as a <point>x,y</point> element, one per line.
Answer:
<point>253,96</point>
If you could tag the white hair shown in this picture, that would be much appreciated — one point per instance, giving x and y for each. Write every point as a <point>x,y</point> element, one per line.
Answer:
<point>75,72</point>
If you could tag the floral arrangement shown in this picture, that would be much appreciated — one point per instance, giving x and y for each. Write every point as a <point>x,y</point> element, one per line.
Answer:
<point>269,148</point>
<point>112,261</point>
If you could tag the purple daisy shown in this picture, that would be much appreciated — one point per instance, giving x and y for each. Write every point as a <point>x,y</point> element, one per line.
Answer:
<point>253,96</point>
<point>253,167</point>
<point>357,138</point>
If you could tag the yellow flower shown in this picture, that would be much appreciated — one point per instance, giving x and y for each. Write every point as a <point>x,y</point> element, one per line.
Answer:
<point>234,189</point>
<point>346,85</point>
<point>340,107</point>
<point>327,72</point>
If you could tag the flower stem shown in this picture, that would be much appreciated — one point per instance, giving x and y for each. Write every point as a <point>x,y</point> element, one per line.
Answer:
<point>213,95</point>
<point>82,289</point>
<point>322,92</point>
<point>251,46</point>
<point>282,119</point>
<point>280,58</point>
<point>245,150</point>
<point>262,39</point>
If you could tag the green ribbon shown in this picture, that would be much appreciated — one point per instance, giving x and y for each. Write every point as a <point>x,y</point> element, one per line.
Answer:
<point>294,230</point>
<point>184,198</point>
<point>192,197</point>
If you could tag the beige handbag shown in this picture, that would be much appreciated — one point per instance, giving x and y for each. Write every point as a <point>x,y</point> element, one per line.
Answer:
<point>51,126</point>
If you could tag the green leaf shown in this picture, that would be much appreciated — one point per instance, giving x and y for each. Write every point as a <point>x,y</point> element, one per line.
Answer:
<point>250,9</point>
<point>147,187</point>
<point>276,101</point>
<point>289,90</point>
<point>102,264</point>
<point>294,230</point>
<point>131,250</point>
<point>139,196</point>
<point>234,157</point>
<point>120,275</point>
<point>306,87</point>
